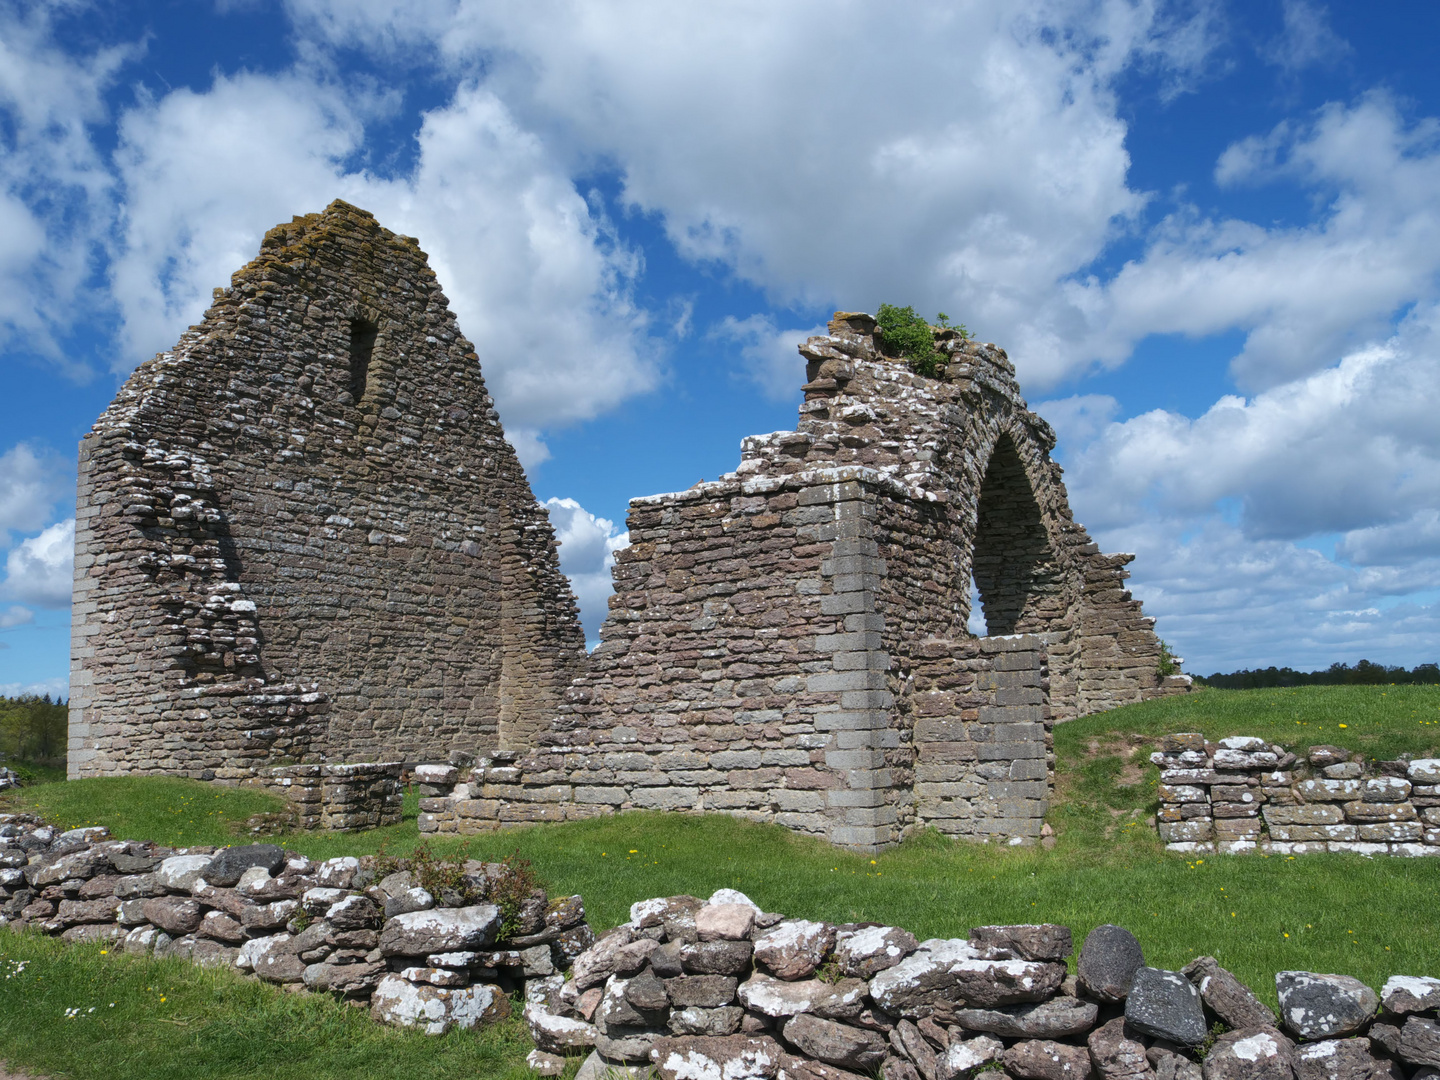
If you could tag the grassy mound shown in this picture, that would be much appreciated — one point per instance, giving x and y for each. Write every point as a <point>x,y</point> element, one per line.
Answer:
<point>1256,914</point>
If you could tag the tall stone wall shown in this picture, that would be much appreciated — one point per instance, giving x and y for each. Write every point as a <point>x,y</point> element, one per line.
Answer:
<point>302,537</point>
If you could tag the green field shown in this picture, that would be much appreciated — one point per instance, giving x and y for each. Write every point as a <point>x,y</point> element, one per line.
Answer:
<point>1365,917</point>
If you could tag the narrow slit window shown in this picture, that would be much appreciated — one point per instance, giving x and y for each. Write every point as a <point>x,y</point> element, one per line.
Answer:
<point>362,346</point>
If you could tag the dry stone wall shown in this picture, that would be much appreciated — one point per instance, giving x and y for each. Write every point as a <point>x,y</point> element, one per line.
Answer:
<point>1244,795</point>
<point>302,537</point>
<point>345,926</point>
<point>688,989</point>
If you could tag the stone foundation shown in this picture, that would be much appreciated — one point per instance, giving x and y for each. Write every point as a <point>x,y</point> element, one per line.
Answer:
<point>342,798</point>
<point>1242,795</point>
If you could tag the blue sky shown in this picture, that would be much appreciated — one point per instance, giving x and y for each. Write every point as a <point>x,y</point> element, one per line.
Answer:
<point>1207,233</point>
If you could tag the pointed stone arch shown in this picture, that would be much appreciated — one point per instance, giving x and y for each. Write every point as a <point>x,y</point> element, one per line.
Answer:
<point>1014,560</point>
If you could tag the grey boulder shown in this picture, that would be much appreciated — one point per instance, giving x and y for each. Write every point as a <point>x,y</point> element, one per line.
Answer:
<point>1410,994</point>
<point>418,933</point>
<point>694,1020</point>
<point>907,1039</point>
<point>1317,1006</point>
<point>354,913</point>
<point>1166,1005</point>
<point>794,948</point>
<point>717,957</point>
<point>351,981</point>
<point>988,983</point>
<point>701,991</point>
<point>776,997</point>
<point>229,863</point>
<point>436,1009</point>
<point>179,872</point>
<point>1040,1059</point>
<point>686,1057</point>
<point>274,959</point>
<point>1334,1059</point>
<point>1170,1064</point>
<point>1117,1056</point>
<point>1058,1018</point>
<point>174,915</point>
<point>836,1044</point>
<point>558,1034</point>
<point>1420,1042</point>
<point>1042,941</point>
<point>617,953</point>
<point>862,952</point>
<point>1108,961</point>
<point>967,1056</point>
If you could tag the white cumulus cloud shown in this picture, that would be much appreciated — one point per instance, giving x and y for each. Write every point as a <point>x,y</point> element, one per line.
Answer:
<point>587,552</point>
<point>768,356</point>
<point>56,203</point>
<point>536,276</point>
<point>40,570</point>
<point>31,482</point>
<point>1298,526</point>
<point>1303,294</point>
<point>964,158</point>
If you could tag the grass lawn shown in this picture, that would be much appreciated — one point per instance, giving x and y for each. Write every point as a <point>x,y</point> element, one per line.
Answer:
<point>143,1019</point>
<point>1364,917</point>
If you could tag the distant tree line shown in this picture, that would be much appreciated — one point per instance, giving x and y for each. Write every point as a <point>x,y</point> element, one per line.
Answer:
<point>33,728</point>
<point>1362,674</point>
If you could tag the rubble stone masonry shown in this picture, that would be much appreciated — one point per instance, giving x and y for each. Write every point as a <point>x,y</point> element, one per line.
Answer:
<point>302,537</point>
<point>789,643</point>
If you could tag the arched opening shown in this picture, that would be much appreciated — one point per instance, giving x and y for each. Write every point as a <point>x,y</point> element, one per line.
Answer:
<point>1013,566</point>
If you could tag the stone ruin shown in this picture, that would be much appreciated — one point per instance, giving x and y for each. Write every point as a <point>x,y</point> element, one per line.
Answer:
<point>302,539</point>
<point>301,536</point>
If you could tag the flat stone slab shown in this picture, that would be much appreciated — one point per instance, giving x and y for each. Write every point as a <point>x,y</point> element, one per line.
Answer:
<point>419,933</point>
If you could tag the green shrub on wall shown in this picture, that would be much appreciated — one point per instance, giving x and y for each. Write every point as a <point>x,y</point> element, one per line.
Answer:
<point>904,333</point>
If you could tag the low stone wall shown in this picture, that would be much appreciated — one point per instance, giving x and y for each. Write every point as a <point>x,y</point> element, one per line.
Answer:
<point>1242,794</point>
<point>417,958</point>
<point>342,798</point>
<point>690,989</point>
<point>969,753</point>
<point>693,990</point>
